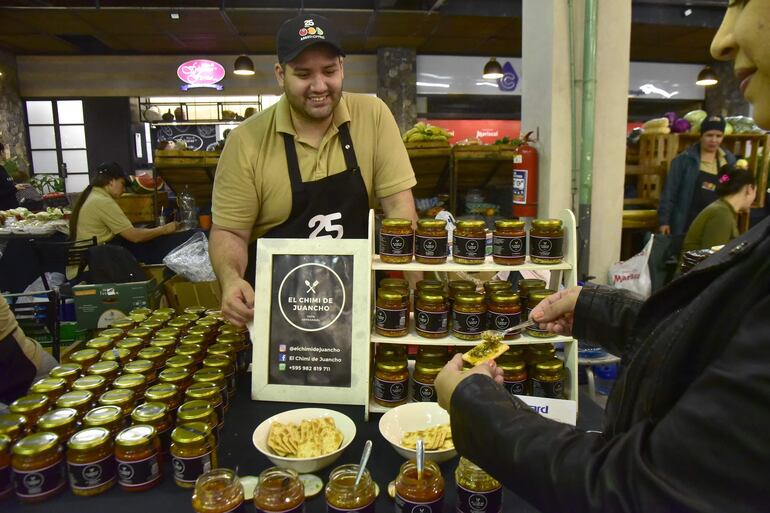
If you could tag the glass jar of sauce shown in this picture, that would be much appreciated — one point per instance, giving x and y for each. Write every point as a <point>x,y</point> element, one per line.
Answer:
<point>534,298</point>
<point>514,372</point>
<point>132,344</point>
<point>396,241</point>
<point>197,311</point>
<point>198,411</point>
<point>392,313</point>
<point>546,240</point>
<point>136,457</point>
<point>166,344</point>
<point>124,324</point>
<point>181,378</point>
<point>14,426</point>
<point>168,332</point>
<point>210,393</point>
<point>468,315</point>
<point>158,416</point>
<point>117,354</point>
<point>69,372</point>
<point>90,462</point>
<point>469,244</point>
<point>490,287</point>
<point>435,286</point>
<point>223,363</point>
<point>430,243</point>
<point>223,349</point>
<point>342,494</point>
<point>391,377</point>
<point>84,357</point>
<point>153,324</point>
<point>156,355</point>
<point>548,379</point>
<point>143,368</point>
<point>431,315</point>
<point>137,383</point>
<point>53,388</point>
<point>62,421</point>
<point>37,467</point>
<point>101,344</point>
<point>189,318</point>
<point>32,406</point>
<point>398,283</point>
<point>527,285</point>
<point>218,491</point>
<point>239,343</point>
<point>142,310</point>
<point>279,490</point>
<point>510,242</point>
<point>217,377</point>
<point>6,488</point>
<point>426,493</point>
<point>91,383</point>
<point>113,333</point>
<point>424,377</point>
<point>165,393</point>
<point>80,400</point>
<point>109,370</point>
<point>458,286</point>
<point>504,312</point>
<point>194,351</point>
<point>168,311</point>
<point>181,361</point>
<point>193,452</point>
<point>477,491</point>
<point>537,353</point>
<point>142,333</point>
<point>109,417</point>
<point>124,398</point>
<point>180,325</point>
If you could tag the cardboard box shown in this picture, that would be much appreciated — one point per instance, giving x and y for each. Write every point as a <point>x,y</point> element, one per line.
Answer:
<point>182,293</point>
<point>98,305</point>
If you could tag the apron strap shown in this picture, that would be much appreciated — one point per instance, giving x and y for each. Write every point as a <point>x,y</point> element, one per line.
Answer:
<point>293,163</point>
<point>351,162</point>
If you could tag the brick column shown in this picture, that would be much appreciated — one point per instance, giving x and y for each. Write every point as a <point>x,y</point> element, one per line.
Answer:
<point>12,131</point>
<point>397,83</point>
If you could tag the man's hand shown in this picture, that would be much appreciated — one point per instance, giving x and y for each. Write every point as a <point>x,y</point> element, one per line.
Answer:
<point>556,312</point>
<point>170,227</point>
<point>238,302</point>
<point>22,186</point>
<point>664,229</point>
<point>452,374</point>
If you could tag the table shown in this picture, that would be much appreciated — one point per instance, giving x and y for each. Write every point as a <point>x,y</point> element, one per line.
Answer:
<point>237,451</point>
<point>18,264</point>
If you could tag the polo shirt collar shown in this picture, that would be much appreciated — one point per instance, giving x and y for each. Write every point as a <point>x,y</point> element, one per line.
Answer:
<point>284,124</point>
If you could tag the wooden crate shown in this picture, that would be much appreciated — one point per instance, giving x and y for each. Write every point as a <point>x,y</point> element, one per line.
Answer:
<point>190,170</point>
<point>431,161</point>
<point>477,166</point>
<point>139,207</point>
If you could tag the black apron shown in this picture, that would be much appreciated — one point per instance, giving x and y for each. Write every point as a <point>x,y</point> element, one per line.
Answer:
<point>336,206</point>
<point>704,193</point>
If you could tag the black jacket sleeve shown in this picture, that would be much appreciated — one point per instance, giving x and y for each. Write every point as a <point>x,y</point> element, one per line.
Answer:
<point>709,453</point>
<point>7,186</point>
<point>604,316</point>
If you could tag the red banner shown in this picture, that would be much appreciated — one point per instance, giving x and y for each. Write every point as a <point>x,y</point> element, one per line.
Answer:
<point>486,130</point>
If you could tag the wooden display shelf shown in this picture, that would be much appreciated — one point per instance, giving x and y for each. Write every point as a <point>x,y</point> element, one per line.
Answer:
<point>142,208</point>
<point>188,170</point>
<point>478,166</point>
<point>488,265</point>
<point>412,338</point>
<point>431,162</point>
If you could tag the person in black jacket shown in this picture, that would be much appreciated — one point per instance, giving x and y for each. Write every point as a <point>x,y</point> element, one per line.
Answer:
<point>686,425</point>
<point>8,188</point>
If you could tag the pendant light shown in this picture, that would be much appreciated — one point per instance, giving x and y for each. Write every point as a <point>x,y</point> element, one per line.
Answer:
<point>493,70</point>
<point>707,77</point>
<point>243,65</point>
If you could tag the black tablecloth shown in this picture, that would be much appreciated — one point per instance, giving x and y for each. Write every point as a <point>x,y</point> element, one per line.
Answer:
<point>237,451</point>
<point>18,264</point>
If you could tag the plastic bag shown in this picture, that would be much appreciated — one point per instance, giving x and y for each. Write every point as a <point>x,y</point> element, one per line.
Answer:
<point>633,274</point>
<point>191,259</point>
<point>188,213</point>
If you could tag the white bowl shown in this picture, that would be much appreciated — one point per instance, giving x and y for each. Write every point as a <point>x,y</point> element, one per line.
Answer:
<point>414,417</point>
<point>304,465</point>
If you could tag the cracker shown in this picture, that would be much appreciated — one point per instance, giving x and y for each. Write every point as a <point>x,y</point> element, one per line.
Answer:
<point>308,439</point>
<point>491,347</point>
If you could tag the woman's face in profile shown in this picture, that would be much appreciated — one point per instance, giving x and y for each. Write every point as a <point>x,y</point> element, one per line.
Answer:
<point>744,37</point>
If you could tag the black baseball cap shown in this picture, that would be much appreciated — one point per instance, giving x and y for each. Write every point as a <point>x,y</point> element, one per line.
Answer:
<point>303,31</point>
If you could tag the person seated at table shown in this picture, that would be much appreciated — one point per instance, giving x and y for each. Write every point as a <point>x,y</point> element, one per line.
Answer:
<point>22,359</point>
<point>97,214</point>
<point>717,224</point>
<point>8,187</point>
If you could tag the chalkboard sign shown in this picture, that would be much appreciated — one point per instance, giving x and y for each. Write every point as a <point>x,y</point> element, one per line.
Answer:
<point>311,321</point>
<point>197,137</point>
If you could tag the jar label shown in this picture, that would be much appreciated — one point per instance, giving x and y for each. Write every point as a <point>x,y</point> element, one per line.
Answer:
<point>431,322</point>
<point>549,389</point>
<point>430,247</point>
<point>390,391</point>
<point>467,323</point>
<point>516,387</point>
<point>510,247</point>
<point>84,476</point>
<point>472,248</point>
<point>298,509</point>
<point>390,320</point>
<point>469,501</point>
<point>138,473</point>
<point>187,470</point>
<point>396,245</point>
<point>546,247</point>
<point>40,484</point>
<point>423,392</point>
<point>369,508</point>
<point>503,321</point>
<point>5,479</point>
<point>406,506</point>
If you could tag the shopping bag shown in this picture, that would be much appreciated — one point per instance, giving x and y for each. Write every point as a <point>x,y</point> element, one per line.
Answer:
<point>633,274</point>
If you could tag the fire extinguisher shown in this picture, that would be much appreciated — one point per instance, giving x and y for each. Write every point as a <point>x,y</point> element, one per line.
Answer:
<point>525,179</point>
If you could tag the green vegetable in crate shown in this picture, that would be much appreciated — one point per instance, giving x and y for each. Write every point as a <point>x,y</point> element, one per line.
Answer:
<point>425,132</point>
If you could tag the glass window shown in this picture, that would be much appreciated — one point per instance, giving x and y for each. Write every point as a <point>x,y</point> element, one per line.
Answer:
<point>40,113</point>
<point>76,160</point>
<point>76,183</point>
<point>72,136</point>
<point>42,138</point>
<point>45,162</point>
<point>70,111</point>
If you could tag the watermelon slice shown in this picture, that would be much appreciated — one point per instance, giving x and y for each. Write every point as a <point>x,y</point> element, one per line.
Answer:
<point>144,183</point>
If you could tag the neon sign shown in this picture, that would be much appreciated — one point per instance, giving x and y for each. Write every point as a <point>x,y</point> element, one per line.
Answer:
<point>201,73</point>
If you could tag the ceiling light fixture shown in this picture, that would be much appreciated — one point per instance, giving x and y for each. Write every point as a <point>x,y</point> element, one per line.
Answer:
<point>492,70</point>
<point>687,12</point>
<point>243,65</point>
<point>174,15</point>
<point>707,77</point>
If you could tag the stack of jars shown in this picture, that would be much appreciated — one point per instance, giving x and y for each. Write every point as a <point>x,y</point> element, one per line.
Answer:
<point>108,413</point>
<point>429,244</point>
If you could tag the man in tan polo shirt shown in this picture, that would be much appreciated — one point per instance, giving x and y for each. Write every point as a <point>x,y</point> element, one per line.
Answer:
<point>309,166</point>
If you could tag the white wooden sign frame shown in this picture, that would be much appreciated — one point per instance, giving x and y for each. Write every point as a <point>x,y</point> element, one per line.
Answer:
<point>358,392</point>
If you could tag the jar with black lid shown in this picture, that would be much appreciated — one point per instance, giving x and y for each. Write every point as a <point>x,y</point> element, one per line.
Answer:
<point>510,242</point>
<point>396,241</point>
<point>431,241</point>
<point>469,242</point>
<point>546,240</point>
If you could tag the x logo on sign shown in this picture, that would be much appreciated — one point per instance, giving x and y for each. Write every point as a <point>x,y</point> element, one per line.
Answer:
<point>311,288</point>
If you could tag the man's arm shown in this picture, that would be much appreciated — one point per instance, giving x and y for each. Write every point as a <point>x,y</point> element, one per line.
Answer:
<point>228,249</point>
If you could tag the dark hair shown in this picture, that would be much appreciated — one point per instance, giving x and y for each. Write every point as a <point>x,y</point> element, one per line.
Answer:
<point>102,175</point>
<point>732,179</point>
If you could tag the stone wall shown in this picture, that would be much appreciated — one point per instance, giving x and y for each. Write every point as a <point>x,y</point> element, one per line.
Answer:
<point>397,83</point>
<point>12,132</point>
